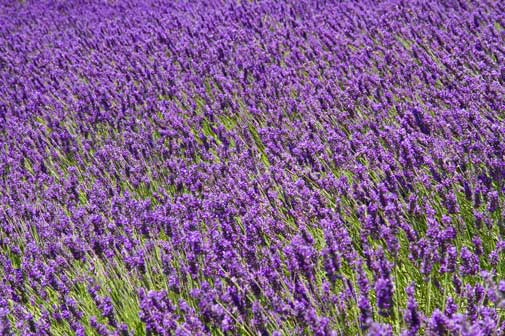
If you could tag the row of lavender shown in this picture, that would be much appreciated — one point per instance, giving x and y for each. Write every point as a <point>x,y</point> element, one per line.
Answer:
<point>256,168</point>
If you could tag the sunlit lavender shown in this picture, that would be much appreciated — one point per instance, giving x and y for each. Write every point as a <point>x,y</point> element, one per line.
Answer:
<point>301,167</point>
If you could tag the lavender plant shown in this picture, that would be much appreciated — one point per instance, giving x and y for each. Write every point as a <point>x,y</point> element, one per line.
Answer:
<point>252,167</point>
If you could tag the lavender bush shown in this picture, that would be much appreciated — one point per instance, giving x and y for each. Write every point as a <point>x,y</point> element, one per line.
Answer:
<point>252,168</point>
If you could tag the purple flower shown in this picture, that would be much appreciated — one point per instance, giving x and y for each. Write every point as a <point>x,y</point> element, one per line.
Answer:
<point>384,293</point>
<point>469,262</point>
<point>412,316</point>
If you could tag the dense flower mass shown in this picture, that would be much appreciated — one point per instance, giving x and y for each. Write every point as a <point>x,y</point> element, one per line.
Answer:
<point>252,167</point>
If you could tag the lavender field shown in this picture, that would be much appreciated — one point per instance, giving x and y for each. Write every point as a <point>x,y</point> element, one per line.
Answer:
<point>252,167</point>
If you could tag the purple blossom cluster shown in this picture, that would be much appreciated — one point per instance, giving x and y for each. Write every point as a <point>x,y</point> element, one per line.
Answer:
<point>301,167</point>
